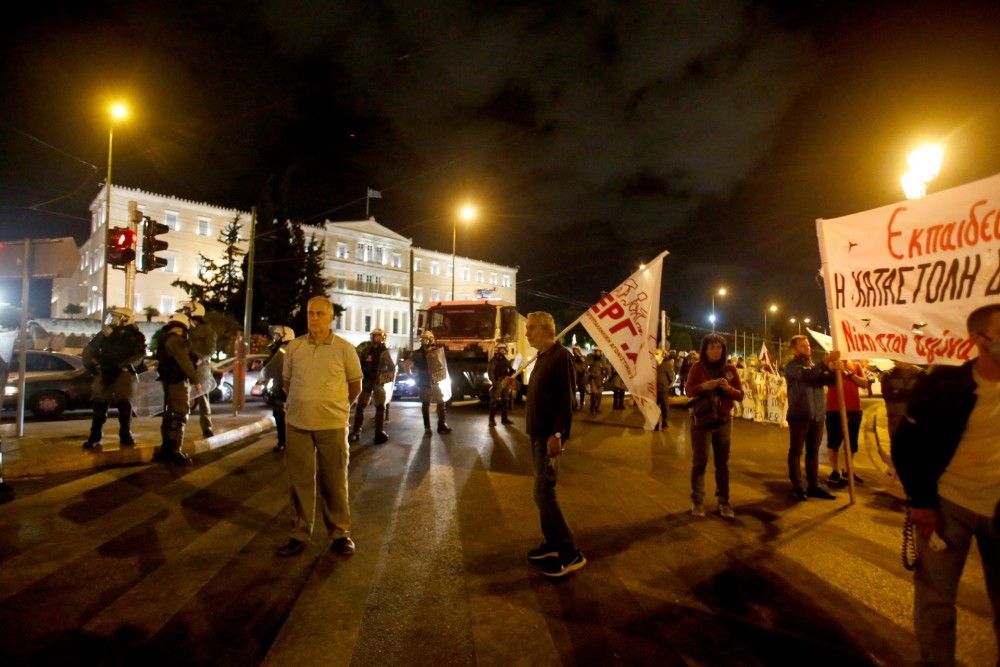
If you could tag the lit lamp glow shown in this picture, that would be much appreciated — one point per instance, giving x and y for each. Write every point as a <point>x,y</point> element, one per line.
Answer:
<point>467,213</point>
<point>925,164</point>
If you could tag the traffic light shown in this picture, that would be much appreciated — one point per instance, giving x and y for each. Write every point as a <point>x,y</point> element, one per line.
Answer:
<point>121,247</point>
<point>152,245</point>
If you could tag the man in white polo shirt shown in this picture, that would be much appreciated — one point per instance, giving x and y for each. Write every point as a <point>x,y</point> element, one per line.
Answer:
<point>322,378</point>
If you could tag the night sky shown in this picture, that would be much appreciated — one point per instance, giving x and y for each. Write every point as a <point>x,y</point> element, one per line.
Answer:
<point>592,134</point>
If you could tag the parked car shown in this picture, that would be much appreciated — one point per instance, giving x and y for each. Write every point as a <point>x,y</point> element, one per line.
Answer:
<point>223,372</point>
<point>43,363</point>
<point>51,394</point>
<point>405,385</point>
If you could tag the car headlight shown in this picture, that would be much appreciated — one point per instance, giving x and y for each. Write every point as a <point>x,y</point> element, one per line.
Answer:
<point>409,382</point>
<point>10,390</point>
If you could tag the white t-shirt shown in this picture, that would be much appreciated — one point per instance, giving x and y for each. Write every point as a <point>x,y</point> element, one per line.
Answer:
<point>972,478</point>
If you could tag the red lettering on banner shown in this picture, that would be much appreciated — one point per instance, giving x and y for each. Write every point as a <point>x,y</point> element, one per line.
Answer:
<point>893,234</point>
<point>979,228</point>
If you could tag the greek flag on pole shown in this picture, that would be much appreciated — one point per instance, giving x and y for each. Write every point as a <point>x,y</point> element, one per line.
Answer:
<point>623,324</point>
<point>374,194</point>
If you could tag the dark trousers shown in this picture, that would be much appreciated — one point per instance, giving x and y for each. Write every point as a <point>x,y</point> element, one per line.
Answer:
<point>554,529</point>
<point>804,434</point>
<point>101,416</point>
<point>719,439</point>
<point>835,432</point>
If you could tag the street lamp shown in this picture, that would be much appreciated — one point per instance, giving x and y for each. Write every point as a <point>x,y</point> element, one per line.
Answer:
<point>925,164</point>
<point>118,111</point>
<point>804,320</point>
<point>468,213</point>
<point>721,292</point>
<point>773,308</point>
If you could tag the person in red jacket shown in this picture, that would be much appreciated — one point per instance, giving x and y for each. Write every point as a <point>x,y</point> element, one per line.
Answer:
<point>713,385</point>
<point>854,379</point>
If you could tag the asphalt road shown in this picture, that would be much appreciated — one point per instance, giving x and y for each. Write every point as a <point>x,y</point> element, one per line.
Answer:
<point>154,565</point>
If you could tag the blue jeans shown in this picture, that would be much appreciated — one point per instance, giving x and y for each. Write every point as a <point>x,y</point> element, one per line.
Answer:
<point>554,529</point>
<point>935,582</point>
<point>804,433</point>
<point>719,439</point>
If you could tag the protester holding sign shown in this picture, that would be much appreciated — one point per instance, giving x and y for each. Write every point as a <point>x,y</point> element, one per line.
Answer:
<point>854,379</point>
<point>713,385</point>
<point>947,453</point>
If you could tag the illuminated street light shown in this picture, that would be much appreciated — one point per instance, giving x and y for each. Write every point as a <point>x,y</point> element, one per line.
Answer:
<point>773,308</point>
<point>721,292</point>
<point>118,111</point>
<point>468,213</point>
<point>804,320</point>
<point>925,164</point>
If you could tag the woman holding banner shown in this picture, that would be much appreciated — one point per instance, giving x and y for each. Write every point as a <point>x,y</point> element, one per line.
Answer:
<point>713,385</point>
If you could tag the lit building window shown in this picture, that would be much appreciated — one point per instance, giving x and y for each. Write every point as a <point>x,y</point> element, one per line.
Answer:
<point>204,227</point>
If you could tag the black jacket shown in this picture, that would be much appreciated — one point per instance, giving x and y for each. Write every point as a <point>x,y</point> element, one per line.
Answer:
<point>549,405</point>
<point>929,433</point>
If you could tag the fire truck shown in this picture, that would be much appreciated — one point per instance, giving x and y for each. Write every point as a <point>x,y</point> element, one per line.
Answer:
<point>470,331</point>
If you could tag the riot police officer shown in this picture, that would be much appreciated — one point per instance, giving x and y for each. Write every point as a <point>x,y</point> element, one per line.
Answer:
<point>499,370</point>
<point>202,339</point>
<point>113,355</point>
<point>431,368</point>
<point>177,373</point>
<point>274,390</point>
<point>377,369</point>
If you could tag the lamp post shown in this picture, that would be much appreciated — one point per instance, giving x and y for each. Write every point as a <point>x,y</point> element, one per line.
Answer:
<point>721,292</point>
<point>804,320</point>
<point>118,111</point>
<point>773,308</point>
<point>467,213</point>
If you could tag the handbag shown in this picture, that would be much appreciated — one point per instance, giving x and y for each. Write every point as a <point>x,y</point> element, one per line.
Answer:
<point>706,409</point>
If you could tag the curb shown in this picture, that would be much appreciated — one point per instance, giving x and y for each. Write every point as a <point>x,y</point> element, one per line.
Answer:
<point>78,459</point>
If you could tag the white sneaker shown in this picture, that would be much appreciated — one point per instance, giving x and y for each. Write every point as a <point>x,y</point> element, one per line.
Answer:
<point>726,511</point>
<point>697,509</point>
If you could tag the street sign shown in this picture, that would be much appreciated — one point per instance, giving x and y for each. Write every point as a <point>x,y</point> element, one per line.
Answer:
<point>50,258</point>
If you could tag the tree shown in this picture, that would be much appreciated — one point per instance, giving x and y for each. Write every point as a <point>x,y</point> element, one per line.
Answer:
<point>220,284</point>
<point>312,280</point>
<point>150,312</point>
<point>72,309</point>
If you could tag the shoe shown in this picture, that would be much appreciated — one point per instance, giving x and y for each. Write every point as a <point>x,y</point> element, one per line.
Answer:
<point>381,438</point>
<point>293,547</point>
<point>857,480</point>
<point>507,422</point>
<point>726,511</point>
<point>799,494</point>
<point>541,552</point>
<point>444,428</point>
<point>493,424</point>
<point>343,546</point>
<point>819,492</point>
<point>697,509</point>
<point>176,459</point>
<point>92,446</point>
<point>427,429</point>
<point>352,436</point>
<point>835,479</point>
<point>280,447</point>
<point>560,567</point>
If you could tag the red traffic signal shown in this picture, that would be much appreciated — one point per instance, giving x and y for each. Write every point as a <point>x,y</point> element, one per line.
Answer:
<point>121,246</point>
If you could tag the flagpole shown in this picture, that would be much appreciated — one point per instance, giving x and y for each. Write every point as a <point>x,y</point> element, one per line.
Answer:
<point>367,199</point>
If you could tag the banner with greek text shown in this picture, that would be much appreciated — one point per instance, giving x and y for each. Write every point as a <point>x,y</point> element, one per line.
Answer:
<point>623,324</point>
<point>900,280</point>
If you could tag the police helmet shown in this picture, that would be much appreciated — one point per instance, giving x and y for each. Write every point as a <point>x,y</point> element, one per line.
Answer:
<point>427,337</point>
<point>378,333</point>
<point>282,334</point>
<point>179,319</point>
<point>118,315</point>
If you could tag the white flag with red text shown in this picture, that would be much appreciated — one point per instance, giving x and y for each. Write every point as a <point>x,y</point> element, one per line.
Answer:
<point>766,363</point>
<point>623,324</point>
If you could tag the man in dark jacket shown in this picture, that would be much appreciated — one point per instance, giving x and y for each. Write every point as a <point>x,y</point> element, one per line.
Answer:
<point>548,418</point>
<point>113,356</point>
<point>202,339</point>
<point>806,412</point>
<point>947,453</point>
<point>177,373</point>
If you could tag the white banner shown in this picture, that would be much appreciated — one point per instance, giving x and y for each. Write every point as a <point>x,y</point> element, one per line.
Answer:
<point>901,279</point>
<point>623,324</point>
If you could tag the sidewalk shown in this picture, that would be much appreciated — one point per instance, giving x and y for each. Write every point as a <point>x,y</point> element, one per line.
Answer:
<point>56,446</point>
